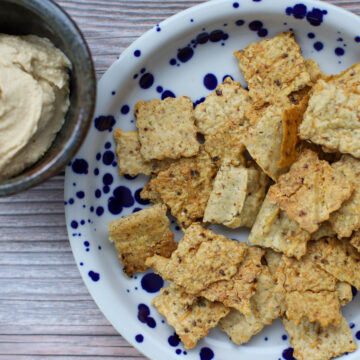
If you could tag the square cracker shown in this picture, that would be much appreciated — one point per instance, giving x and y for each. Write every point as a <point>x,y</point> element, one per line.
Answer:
<point>130,161</point>
<point>226,105</point>
<point>263,140</point>
<point>185,187</point>
<point>166,128</point>
<point>226,146</point>
<point>338,258</point>
<point>310,191</point>
<point>311,341</point>
<point>237,292</point>
<point>236,196</point>
<point>274,229</point>
<point>265,308</point>
<point>322,307</point>
<point>191,317</point>
<point>347,219</point>
<point>331,118</point>
<point>202,258</point>
<point>140,235</point>
<point>273,68</point>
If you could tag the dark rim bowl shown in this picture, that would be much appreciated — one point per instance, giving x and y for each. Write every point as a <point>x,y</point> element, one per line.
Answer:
<point>46,19</point>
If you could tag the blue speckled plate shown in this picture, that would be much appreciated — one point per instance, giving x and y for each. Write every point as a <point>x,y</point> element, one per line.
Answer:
<point>188,54</point>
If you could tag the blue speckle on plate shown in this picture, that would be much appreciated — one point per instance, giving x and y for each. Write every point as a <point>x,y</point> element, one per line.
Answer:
<point>206,354</point>
<point>125,109</point>
<point>103,123</point>
<point>74,224</point>
<point>108,179</point>
<point>86,243</point>
<point>185,54</point>
<point>137,53</point>
<point>210,81</point>
<point>174,340</point>
<point>288,354</point>
<point>166,94</point>
<point>240,22</point>
<point>106,189</point>
<point>235,5</point>
<point>311,35</point>
<point>80,166</point>
<point>178,351</point>
<point>146,81</point>
<point>262,32</point>
<point>339,51</point>
<point>80,194</point>
<point>357,39</point>
<point>71,201</point>
<point>143,316</point>
<point>318,46</point>
<point>139,338</point>
<point>284,337</point>
<point>97,193</point>
<point>351,325</point>
<point>160,89</point>
<point>94,276</point>
<point>99,210</point>
<point>122,197</point>
<point>152,283</point>
<point>354,291</point>
<point>108,157</point>
<point>266,338</point>
<point>300,11</point>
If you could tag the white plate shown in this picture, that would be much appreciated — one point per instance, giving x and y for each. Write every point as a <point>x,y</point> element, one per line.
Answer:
<point>207,35</point>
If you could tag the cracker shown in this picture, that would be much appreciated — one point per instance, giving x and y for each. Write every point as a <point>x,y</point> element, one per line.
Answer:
<point>263,140</point>
<point>202,258</point>
<point>265,308</point>
<point>355,240</point>
<point>314,70</point>
<point>237,292</point>
<point>166,128</point>
<point>140,235</point>
<point>344,292</point>
<point>291,119</point>
<point>322,307</point>
<point>324,230</point>
<point>236,196</point>
<point>338,258</point>
<point>191,317</point>
<point>347,219</point>
<point>331,118</point>
<point>310,191</point>
<point>130,161</point>
<point>149,193</point>
<point>226,146</point>
<point>311,341</point>
<point>186,186</point>
<point>274,229</point>
<point>273,68</point>
<point>273,260</point>
<point>225,105</point>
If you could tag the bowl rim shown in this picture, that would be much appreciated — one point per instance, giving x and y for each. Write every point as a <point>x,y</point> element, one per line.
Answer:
<point>59,161</point>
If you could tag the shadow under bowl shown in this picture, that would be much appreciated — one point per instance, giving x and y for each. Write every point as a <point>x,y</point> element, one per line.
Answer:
<point>46,19</point>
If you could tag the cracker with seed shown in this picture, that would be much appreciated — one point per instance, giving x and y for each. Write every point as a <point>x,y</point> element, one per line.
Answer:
<point>310,191</point>
<point>185,187</point>
<point>338,258</point>
<point>347,219</point>
<point>226,146</point>
<point>202,258</point>
<point>130,161</point>
<point>291,120</point>
<point>355,240</point>
<point>311,341</point>
<point>273,68</point>
<point>140,235</point>
<point>237,292</point>
<point>263,140</point>
<point>331,118</point>
<point>236,196</point>
<point>166,128</point>
<point>265,308</point>
<point>191,317</point>
<point>274,229</point>
<point>322,307</point>
<point>227,104</point>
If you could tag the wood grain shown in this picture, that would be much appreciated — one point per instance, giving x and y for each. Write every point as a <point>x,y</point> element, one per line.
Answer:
<point>45,310</point>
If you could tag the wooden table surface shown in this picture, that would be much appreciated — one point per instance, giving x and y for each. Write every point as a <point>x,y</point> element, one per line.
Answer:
<point>46,311</point>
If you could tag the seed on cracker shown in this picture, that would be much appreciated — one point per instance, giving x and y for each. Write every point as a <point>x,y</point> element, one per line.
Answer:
<point>226,146</point>
<point>166,128</point>
<point>338,258</point>
<point>226,105</point>
<point>274,229</point>
<point>273,68</point>
<point>331,118</point>
<point>202,258</point>
<point>311,341</point>
<point>347,219</point>
<point>237,292</point>
<point>130,161</point>
<point>265,308</point>
<point>191,317</point>
<point>310,191</point>
<point>185,187</point>
<point>140,235</point>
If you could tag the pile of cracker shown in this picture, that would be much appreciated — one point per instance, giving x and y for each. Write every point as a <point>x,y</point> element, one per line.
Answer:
<point>281,158</point>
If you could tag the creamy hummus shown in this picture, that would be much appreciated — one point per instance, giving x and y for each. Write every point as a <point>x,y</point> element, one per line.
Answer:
<point>34,98</point>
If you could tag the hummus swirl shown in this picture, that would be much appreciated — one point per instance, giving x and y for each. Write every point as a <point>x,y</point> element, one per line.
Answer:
<point>34,98</point>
